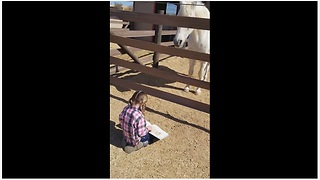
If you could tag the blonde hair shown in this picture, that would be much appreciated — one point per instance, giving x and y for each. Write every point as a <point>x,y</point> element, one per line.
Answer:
<point>139,97</point>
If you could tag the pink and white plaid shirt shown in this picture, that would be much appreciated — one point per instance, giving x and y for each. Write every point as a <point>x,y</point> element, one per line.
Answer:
<point>133,124</point>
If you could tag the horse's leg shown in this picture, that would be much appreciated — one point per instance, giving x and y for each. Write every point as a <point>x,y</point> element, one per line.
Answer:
<point>190,73</point>
<point>203,74</point>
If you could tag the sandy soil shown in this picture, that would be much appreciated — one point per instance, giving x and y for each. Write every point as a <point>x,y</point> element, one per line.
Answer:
<point>185,153</point>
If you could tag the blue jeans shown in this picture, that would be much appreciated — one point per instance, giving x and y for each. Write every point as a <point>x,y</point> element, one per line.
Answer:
<point>145,140</point>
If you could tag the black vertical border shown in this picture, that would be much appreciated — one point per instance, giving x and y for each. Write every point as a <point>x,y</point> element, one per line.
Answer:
<point>264,89</point>
<point>55,89</point>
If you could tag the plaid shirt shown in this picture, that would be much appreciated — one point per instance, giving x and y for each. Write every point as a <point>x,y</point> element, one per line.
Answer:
<point>133,124</point>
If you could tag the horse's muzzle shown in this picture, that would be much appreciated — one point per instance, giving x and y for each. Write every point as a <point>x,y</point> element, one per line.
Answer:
<point>177,43</point>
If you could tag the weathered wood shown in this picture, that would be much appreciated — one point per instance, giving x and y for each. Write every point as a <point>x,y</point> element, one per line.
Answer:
<point>160,73</point>
<point>142,33</point>
<point>161,94</point>
<point>157,40</point>
<point>158,48</point>
<point>119,29</point>
<point>177,21</point>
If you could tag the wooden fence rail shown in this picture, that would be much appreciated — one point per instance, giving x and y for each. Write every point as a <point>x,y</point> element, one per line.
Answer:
<point>119,51</point>
<point>162,95</point>
<point>159,73</point>
<point>121,37</point>
<point>197,23</point>
<point>158,48</point>
<point>142,33</point>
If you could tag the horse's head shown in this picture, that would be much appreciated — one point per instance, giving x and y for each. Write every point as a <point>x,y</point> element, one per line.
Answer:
<point>187,8</point>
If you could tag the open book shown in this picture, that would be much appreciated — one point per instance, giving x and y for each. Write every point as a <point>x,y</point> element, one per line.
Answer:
<point>157,131</point>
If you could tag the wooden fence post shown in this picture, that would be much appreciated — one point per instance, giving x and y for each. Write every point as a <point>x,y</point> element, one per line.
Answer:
<point>157,40</point>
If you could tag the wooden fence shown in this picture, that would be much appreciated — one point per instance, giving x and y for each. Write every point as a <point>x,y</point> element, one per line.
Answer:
<point>122,38</point>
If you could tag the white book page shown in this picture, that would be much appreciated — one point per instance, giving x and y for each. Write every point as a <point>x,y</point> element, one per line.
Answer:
<point>158,132</point>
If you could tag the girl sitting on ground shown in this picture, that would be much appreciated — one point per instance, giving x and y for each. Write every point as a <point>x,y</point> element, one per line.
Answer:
<point>133,124</point>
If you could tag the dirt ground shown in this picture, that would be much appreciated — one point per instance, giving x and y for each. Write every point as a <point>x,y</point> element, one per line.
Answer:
<point>185,153</point>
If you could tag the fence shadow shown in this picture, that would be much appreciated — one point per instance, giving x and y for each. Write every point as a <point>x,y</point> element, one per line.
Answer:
<point>115,135</point>
<point>147,79</point>
<point>165,115</point>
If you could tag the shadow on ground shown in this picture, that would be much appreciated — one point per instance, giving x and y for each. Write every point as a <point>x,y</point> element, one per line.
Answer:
<point>164,115</point>
<point>115,135</point>
<point>147,79</point>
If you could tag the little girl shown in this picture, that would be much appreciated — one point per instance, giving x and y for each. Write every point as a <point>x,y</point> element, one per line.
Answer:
<point>133,124</point>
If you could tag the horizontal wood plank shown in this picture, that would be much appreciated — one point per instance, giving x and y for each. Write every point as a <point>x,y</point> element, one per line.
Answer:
<point>161,49</point>
<point>118,29</point>
<point>159,73</point>
<point>142,33</point>
<point>177,21</point>
<point>161,94</point>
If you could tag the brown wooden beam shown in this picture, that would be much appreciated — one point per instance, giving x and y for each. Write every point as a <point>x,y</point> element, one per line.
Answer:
<point>177,21</point>
<point>161,94</point>
<point>158,48</point>
<point>119,29</point>
<point>157,40</point>
<point>160,73</point>
<point>142,33</point>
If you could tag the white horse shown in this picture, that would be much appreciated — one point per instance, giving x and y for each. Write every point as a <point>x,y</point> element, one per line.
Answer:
<point>199,40</point>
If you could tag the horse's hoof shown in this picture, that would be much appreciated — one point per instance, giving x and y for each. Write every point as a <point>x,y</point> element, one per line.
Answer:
<point>186,89</point>
<point>198,92</point>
